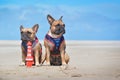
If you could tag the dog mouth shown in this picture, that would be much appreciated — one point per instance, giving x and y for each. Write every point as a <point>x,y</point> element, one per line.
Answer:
<point>59,31</point>
<point>25,37</point>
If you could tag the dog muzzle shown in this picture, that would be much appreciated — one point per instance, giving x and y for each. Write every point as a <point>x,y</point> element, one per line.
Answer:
<point>59,30</point>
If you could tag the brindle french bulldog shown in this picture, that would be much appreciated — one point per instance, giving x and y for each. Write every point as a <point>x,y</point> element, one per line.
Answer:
<point>29,34</point>
<point>55,44</point>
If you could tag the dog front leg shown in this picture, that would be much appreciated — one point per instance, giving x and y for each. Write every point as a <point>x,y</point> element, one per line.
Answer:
<point>63,57</point>
<point>67,58</point>
<point>24,54</point>
<point>37,55</point>
<point>47,56</point>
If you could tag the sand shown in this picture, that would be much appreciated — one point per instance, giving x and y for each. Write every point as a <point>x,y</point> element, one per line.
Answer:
<point>90,60</point>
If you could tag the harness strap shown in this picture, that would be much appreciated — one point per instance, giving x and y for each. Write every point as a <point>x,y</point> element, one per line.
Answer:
<point>56,41</point>
<point>24,44</point>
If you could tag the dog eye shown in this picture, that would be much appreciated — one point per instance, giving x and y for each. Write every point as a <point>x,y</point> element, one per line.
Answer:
<point>21,32</point>
<point>29,32</point>
<point>63,25</point>
<point>58,25</point>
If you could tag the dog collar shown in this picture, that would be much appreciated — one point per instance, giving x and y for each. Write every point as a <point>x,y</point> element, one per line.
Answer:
<point>53,35</point>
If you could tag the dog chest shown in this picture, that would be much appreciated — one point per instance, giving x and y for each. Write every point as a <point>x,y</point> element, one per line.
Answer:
<point>54,43</point>
<point>24,44</point>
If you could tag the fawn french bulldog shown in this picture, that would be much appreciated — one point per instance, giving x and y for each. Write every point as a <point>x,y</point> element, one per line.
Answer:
<point>29,34</point>
<point>54,43</point>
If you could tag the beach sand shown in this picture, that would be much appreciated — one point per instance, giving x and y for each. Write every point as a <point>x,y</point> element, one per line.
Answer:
<point>89,60</point>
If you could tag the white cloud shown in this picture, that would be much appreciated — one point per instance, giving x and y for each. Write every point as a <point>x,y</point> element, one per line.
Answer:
<point>23,15</point>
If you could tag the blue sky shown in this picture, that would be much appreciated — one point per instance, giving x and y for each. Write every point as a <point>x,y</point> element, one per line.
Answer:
<point>84,19</point>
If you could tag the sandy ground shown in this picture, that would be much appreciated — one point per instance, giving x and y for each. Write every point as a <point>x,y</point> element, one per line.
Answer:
<point>90,60</point>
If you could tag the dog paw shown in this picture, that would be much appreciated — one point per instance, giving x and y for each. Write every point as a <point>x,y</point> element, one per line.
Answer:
<point>37,64</point>
<point>22,64</point>
<point>64,63</point>
<point>48,64</point>
<point>64,67</point>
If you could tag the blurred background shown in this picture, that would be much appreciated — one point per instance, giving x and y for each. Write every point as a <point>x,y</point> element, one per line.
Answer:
<point>84,19</point>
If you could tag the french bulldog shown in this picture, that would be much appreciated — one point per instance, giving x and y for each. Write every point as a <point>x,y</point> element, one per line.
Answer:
<point>54,43</point>
<point>29,34</point>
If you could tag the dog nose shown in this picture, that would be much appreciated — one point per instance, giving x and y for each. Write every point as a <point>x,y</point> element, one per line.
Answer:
<point>58,27</point>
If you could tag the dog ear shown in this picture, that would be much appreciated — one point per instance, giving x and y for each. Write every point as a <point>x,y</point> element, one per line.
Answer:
<point>35,27</point>
<point>50,19</point>
<point>61,18</point>
<point>21,27</point>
